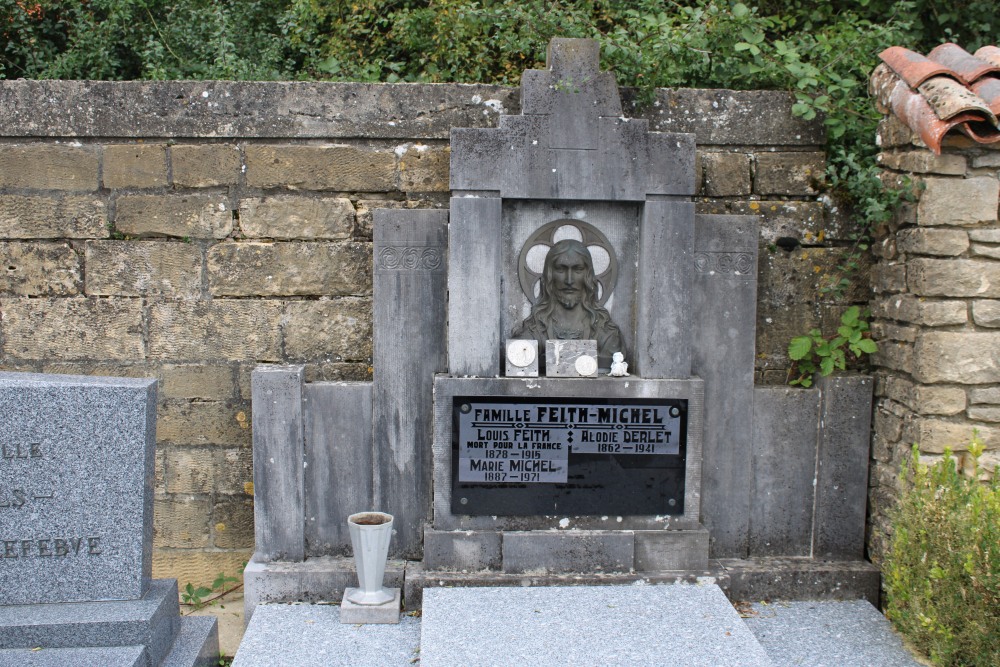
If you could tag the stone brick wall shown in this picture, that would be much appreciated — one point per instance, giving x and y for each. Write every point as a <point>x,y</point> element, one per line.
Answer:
<point>937,312</point>
<point>189,231</point>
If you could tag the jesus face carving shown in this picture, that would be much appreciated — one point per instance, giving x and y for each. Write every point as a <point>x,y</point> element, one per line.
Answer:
<point>568,278</point>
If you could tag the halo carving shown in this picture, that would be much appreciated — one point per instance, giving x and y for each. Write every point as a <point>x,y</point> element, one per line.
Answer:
<point>531,261</point>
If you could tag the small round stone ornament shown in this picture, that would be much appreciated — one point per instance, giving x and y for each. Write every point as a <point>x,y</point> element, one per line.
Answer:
<point>586,365</point>
<point>520,353</point>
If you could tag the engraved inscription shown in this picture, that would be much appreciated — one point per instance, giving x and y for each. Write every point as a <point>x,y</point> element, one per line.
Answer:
<point>724,263</point>
<point>410,258</point>
<point>29,450</point>
<point>51,547</point>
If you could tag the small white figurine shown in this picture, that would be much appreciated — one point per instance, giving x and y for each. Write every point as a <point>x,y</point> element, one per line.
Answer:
<point>619,368</point>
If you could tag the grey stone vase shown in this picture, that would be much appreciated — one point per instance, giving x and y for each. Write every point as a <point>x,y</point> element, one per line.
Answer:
<point>370,536</point>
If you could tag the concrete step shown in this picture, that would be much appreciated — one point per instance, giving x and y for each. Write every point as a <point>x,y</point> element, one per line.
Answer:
<point>827,634</point>
<point>196,645</point>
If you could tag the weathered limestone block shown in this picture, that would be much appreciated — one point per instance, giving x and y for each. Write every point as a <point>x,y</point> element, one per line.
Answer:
<point>985,235</point>
<point>942,242</point>
<point>198,567</point>
<point>893,132</point>
<point>983,250</point>
<point>181,521</point>
<point>963,357</point>
<point>897,356</point>
<point>931,400</point>
<point>725,174</point>
<point>923,162</point>
<point>959,201</point>
<point>142,268</point>
<point>988,395</point>
<point>908,308</point>
<point>232,522</point>
<point>986,313</point>
<point>889,277</point>
<point>789,173</point>
<point>887,424</point>
<point>181,216</point>
<point>67,329</point>
<point>988,160</point>
<point>986,414</point>
<point>953,277</point>
<point>204,381</point>
<point>297,217</point>
<point>187,469</point>
<point>234,470</point>
<point>423,168</point>
<point>888,331</point>
<point>219,329</point>
<point>184,422</point>
<point>805,221</point>
<point>287,269</point>
<point>48,167</point>
<point>135,166</point>
<point>39,269</point>
<point>205,165</point>
<point>337,328</point>
<point>934,435</point>
<point>342,168</point>
<point>796,276</point>
<point>363,226</point>
<point>70,217</point>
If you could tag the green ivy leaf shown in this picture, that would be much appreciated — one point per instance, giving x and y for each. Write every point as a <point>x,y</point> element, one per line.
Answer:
<point>867,345</point>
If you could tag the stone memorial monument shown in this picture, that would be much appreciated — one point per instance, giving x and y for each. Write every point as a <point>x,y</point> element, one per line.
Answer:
<point>76,497</point>
<point>563,388</point>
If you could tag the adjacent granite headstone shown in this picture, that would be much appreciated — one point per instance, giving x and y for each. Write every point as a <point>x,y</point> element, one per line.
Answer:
<point>76,491</point>
<point>76,528</point>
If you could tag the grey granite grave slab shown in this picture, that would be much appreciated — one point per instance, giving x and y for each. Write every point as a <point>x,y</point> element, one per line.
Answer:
<point>151,622</point>
<point>76,491</point>
<point>604,625</point>
<point>338,460</point>
<point>842,467</point>
<point>469,550</point>
<point>568,551</point>
<point>785,427</point>
<point>196,644</point>
<point>658,550</point>
<point>318,579</point>
<point>474,287</point>
<point>828,634</point>
<point>663,303</point>
<point>313,636</point>
<point>279,508</point>
<point>723,309</point>
<point>410,310</point>
<point>105,656</point>
<point>446,388</point>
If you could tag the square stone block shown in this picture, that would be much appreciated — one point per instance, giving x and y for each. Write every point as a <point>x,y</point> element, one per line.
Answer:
<point>671,550</point>
<point>576,551</point>
<point>386,613</point>
<point>470,550</point>
<point>571,358</point>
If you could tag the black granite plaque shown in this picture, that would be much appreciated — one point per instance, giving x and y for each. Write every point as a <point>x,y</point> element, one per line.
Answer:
<point>568,456</point>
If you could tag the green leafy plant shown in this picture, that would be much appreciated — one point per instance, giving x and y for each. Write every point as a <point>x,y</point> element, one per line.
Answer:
<point>199,597</point>
<point>816,353</point>
<point>942,570</point>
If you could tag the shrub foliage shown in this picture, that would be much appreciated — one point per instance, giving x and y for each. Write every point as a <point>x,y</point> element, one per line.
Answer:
<point>942,569</point>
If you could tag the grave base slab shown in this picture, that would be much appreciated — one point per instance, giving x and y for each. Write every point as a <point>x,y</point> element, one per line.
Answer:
<point>109,632</point>
<point>386,613</point>
<point>418,579</point>
<point>801,579</point>
<point>317,579</point>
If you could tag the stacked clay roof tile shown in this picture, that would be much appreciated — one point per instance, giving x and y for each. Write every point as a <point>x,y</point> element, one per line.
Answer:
<point>948,91</point>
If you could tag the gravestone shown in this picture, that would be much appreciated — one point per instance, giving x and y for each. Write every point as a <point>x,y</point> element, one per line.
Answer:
<point>493,429</point>
<point>76,498</point>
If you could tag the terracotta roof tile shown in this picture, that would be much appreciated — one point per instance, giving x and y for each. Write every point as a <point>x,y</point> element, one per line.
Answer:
<point>949,90</point>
